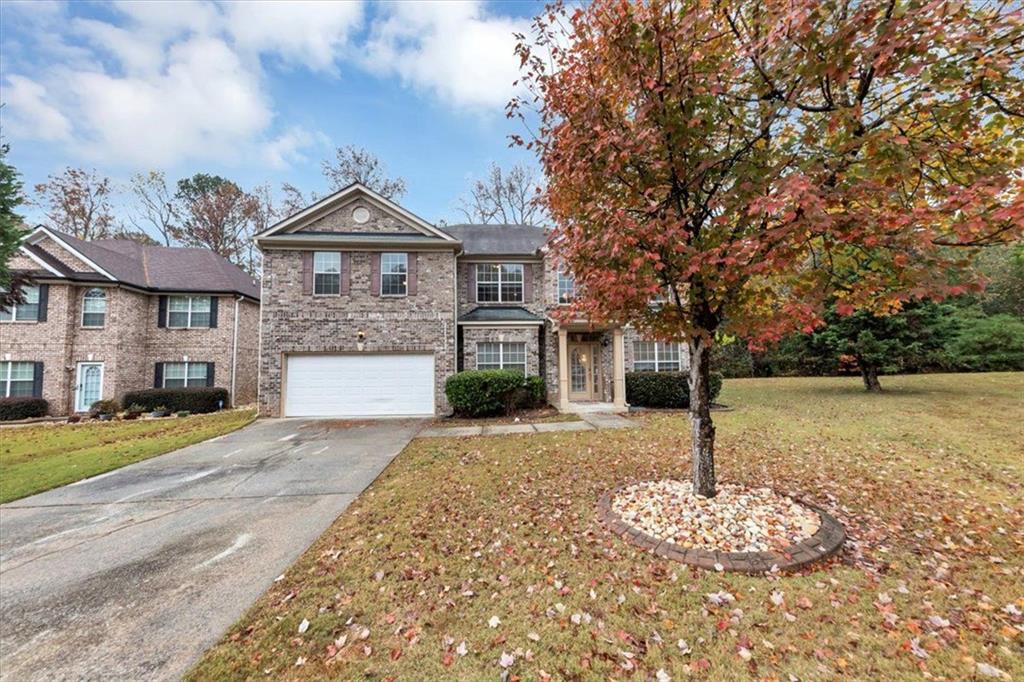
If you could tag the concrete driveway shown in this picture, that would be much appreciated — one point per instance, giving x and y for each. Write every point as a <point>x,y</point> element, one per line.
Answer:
<point>134,573</point>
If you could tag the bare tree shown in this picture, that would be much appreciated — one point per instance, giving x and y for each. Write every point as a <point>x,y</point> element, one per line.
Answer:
<point>355,164</point>
<point>503,198</point>
<point>77,202</point>
<point>215,214</point>
<point>264,215</point>
<point>294,200</point>
<point>153,207</point>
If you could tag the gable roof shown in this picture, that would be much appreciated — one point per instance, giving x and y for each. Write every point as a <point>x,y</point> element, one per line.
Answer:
<point>499,240</point>
<point>155,268</point>
<point>329,203</point>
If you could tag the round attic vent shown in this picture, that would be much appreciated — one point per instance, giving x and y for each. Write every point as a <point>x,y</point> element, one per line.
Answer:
<point>360,214</point>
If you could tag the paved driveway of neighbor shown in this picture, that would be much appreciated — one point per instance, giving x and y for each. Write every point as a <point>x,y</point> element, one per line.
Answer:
<point>131,575</point>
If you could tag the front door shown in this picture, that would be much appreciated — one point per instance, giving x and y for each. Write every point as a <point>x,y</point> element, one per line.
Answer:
<point>89,387</point>
<point>582,371</point>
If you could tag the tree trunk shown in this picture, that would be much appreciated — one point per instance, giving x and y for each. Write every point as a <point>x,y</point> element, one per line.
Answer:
<point>869,373</point>
<point>703,446</point>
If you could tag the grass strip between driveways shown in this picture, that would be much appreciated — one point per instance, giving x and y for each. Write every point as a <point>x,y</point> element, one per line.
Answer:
<point>482,558</point>
<point>37,458</point>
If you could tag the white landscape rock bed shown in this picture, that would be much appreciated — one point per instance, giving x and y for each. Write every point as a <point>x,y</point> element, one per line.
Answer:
<point>737,519</point>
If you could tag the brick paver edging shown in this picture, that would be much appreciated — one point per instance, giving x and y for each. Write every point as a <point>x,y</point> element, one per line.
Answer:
<point>824,543</point>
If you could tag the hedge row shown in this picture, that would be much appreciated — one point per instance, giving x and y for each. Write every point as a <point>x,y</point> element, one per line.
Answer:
<point>664,389</point>
<point>485,392</point>
<point>194,400</point>
<point>21,408</point>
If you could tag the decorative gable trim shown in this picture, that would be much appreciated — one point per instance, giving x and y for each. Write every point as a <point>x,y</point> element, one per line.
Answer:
<point>42,231</point>
<point>25,252</point>
<point>327,204</point>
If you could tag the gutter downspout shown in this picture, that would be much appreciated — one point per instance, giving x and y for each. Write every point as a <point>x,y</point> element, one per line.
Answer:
<point>455,310</point>
<point>234,350</point>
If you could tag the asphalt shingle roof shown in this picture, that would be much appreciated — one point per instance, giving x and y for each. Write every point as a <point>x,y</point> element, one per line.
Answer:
<point>168,268</point>
<point>498,240</point>
<point>499,314</point>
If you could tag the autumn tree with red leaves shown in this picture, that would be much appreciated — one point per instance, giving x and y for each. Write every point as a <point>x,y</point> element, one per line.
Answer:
<point>752,161</point>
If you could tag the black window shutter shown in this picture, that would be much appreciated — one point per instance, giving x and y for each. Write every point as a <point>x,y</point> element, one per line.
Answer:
<point>213,311</point>
<point>161,313</point>
<point>158,375</point>
<point>209,374</point>
<point>44,300</point>
<point>37,379</point>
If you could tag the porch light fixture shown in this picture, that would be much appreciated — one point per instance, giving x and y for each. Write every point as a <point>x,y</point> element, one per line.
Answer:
<point>360,337</point>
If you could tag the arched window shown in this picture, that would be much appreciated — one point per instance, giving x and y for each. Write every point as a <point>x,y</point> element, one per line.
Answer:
<point>94,308</point>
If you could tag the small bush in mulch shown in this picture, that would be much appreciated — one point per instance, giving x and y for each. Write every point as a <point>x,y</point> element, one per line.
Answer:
<point>664,389</point>
<point>195,400</point>
<point>22,408</point>
<point>487,392</point>
<point>104,407</point>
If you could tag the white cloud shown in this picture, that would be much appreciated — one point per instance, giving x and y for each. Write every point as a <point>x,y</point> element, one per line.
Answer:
<point>28,112</point>
<point>287,148</point>
<point>311,34</point>
<point>454,50</point>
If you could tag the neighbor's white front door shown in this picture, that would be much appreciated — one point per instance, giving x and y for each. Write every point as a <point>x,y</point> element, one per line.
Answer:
<point>89,385</point>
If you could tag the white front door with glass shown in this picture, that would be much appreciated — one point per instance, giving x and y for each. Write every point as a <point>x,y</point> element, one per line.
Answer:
<point>89,386</point>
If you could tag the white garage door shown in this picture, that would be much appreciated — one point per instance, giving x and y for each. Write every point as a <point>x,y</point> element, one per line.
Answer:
<point>359,385</point>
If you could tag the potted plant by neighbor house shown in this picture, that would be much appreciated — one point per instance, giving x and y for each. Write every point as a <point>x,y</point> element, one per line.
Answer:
<point>104,410</point>
<point>160,411</point>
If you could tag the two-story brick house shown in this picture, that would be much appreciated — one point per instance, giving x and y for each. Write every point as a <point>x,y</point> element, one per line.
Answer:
<point>108,316</point>
<point>367,309</point>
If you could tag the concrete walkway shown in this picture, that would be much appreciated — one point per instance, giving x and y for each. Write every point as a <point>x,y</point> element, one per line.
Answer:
<point>590,422</point>
<point>132,574</point>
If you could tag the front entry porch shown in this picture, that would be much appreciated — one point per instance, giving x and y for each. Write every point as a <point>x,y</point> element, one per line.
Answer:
<point>591,369</point>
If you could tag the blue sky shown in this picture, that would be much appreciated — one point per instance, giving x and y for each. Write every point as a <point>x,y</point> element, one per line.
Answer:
<point>261,92</point>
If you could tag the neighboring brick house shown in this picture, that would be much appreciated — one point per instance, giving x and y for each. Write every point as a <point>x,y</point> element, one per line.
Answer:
<point>368,309</point>
<point>108,316</point>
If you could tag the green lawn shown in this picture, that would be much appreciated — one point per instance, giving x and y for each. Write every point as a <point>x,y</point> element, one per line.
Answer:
<point>37,458</point>
<point>928,478</point>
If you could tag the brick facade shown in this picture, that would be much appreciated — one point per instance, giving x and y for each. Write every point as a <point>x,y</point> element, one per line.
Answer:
<point>129,344</point>
<point>296,322</point>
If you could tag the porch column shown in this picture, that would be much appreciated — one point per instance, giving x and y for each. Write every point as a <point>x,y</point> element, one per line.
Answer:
<point>618,370</point>
<point>563,370</point>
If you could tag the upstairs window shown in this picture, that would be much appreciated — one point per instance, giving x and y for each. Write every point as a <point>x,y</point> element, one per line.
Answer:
<point>188,311</point>
<point>394,274</point>
<point>501,356</point>
<point>94,308</point>
<point>566,287</point>
<point>650,356</point>
<point>499,283</point>
<point>327,273</point>
<point>23,312</point>
<point>17,379</point>
<point>185,374</point>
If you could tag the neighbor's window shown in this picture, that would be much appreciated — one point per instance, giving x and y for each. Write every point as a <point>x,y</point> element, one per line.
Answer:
<point>499,283</point>
<point>501,356</point>
<point>566,286</point>
<point>327,273</point>
<point>94,308</point>
<point>188,311</point>
<point>184,374</point>
<point>394,270</point>
<point>17,379</point>
<point>650,356</point>
<point>23,312</point>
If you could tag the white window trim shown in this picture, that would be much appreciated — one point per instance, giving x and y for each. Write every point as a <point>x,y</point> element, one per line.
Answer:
<point>501,354</point>
<point>163,378</point>
<point>658,348</point>
<point>85,297</point>
<point>188,324</point>
<point>501,281</point>
<point>558,287</point>
<point>382,273</point>
<point>6,381</point>
<point>315,273</point>
<point>14,308</point>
